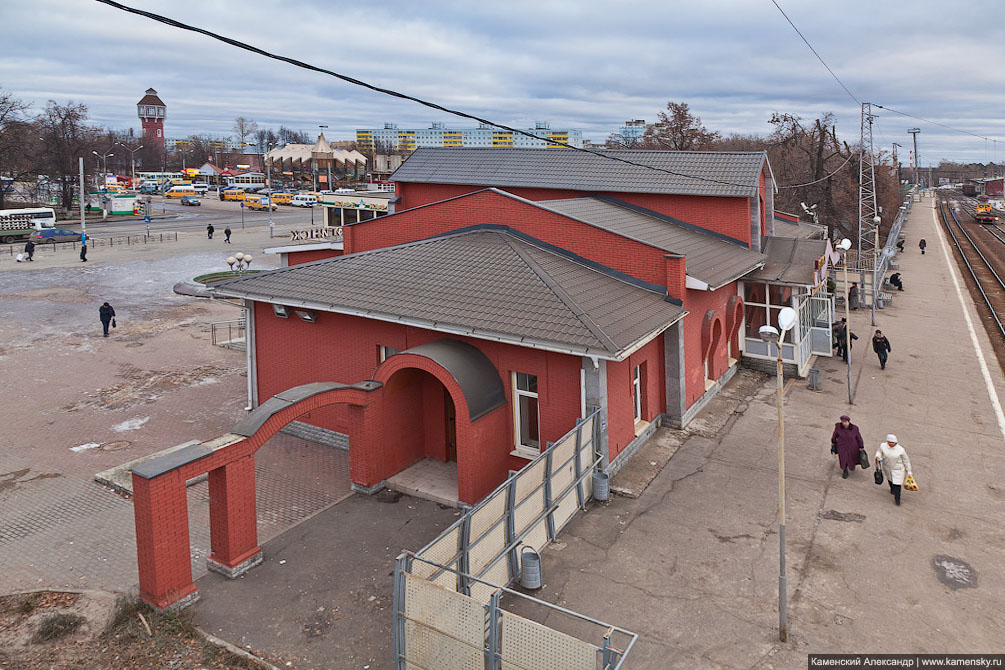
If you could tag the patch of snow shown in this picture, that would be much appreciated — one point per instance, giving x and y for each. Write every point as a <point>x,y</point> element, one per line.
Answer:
<point>85,447</point>
<point>131,424</point>
<point>206,380</point>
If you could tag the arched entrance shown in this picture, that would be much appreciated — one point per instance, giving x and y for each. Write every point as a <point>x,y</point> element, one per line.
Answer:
<point>389,430</point>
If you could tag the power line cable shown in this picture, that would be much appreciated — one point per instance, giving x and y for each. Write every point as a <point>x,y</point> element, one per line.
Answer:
<point>819,58</point>
<point>390,92</point>
<point>935,123</point>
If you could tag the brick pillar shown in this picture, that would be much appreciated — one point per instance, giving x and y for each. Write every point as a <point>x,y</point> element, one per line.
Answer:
<point>367,469</point>
<point>160,508</point>
<point>232,518</point>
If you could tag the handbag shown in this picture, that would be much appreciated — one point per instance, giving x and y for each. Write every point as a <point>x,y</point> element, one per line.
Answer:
<point>910,484</point>
<point>878,474</point>
<point>113,323</point>
<point>863,459</point>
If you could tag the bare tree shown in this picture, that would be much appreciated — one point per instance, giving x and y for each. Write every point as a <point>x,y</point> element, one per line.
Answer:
<point>243,129</point>
<point>65,138</point>
<point>15,143</point>
<point>679,130</point>
<point>620,141</point>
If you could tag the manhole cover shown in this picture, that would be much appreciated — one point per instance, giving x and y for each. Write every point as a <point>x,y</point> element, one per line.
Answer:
<point>954,572</point>
<point>118,445</point>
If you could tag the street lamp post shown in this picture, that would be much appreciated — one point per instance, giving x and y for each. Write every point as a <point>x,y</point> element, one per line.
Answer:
<point>132,161</point>
<point>268,185</point>
<point>843,246</point>
<point>875,269</point>
<point>769,334</point>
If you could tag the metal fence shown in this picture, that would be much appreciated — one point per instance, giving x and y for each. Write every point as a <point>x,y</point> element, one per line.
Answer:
<point>527,510</point>
<point>447,596</point>
<point>870,270</point>
<point>92,242</point>
<point>229,334</point>
<point>436,628</point>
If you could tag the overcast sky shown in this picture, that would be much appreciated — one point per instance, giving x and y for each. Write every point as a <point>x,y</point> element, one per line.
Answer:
<point>578,64</point>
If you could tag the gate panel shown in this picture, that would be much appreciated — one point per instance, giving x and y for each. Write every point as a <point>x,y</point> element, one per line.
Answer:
<point>527,645</point>
<point>443,629</point>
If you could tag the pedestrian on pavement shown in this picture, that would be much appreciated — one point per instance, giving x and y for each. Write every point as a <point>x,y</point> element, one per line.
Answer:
<point>922,244</point>
<point>881,346</point>
<point>895,280</point>
<point>892,459</point>
<point>900,245</point>
<point>846,442</point>
<point>209,230</point>
<point>841,341</point>
<point>853,296</point>
<point>83,249</point>
<point>107,315</point>
<point>29,248</point>
<point>226,234</point>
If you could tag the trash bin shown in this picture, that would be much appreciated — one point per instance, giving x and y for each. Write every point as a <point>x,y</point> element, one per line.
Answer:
<point>601,486</point>
<point>814,377</point>
<point>530,568</point>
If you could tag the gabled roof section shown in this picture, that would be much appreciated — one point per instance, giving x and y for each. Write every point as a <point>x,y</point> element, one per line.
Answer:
<point>791,260</point>
<point>789,225</point>
<point>709,173</point>
<point>151,98</point>
<point>490,284</point>
<point>710,257</point>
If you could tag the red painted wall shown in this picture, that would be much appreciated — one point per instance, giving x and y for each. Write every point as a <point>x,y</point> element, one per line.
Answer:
<point>729,216</point>
<point>341,348</point>
<point>299,257</point>
<point>620,408</point>
<point>697,304</point>
<point>633,258</point>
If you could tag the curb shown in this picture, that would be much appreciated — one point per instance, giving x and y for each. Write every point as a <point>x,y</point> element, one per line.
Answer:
<point>234,649</point>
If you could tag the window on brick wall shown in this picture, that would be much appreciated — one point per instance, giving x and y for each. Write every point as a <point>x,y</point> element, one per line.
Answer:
<point>526,423</point>
<point>383,353</point>
<point>637,392</point>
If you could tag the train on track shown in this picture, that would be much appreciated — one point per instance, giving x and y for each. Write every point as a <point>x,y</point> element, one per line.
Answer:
<point>984,213</point>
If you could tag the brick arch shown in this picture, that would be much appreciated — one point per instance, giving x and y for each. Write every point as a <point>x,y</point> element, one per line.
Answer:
<point>711,338</point>
<point>160,506</point>
<point>734,319</point>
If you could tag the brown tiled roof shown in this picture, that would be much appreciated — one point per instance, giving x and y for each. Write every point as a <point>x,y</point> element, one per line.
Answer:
<point>713,173</point>
<point>709,257</point>
<point>151,99</point>
<point>490,283</point>
<point>790,260</point>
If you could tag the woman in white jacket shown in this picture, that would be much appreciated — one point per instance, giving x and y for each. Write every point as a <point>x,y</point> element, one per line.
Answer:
<point>895,464</point>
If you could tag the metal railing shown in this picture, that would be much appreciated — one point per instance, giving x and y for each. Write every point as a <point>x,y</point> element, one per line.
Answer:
<point>229,334</point>
<point>92,242</point>
<point>527,510</point>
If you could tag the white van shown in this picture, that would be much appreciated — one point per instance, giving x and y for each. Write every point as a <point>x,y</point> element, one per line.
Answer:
<point>303,201</point>
<point>200,189</point>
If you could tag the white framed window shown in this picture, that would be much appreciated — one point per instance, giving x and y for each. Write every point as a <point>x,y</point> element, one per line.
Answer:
<point>526,416</point>
<point>637,392</point>
<point>383,353</point>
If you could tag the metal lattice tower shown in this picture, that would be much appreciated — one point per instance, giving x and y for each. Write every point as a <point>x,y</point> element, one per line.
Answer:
<point>868,227</point>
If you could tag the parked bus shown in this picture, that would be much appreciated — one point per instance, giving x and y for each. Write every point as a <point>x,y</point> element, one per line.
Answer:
<point>179,191</point>
<point>254,201</point>
<point>233,194</point>
<point>281,198</point>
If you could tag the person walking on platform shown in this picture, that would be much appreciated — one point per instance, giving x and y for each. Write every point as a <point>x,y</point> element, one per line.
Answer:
<point>881,346</point>
<point>892,458</point>
<point>900,245</point>
<point>853,296</point>
<point>209,230</point>
<point>841,341</point>
<point>29,248</point>
<point>227,233</point>
<point>847,443</point>
<point>921,245</point>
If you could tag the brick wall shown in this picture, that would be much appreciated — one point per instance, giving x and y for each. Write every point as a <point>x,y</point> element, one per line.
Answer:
<point>299,257</point>
<point>698,303</point>
<point>621,409</point>
<point>729,216</point>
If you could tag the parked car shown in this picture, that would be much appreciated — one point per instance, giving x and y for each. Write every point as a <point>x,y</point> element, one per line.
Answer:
<point>304,201</point>
<point>200,189</point>
<point>54,236</point>
<point>191,200</point>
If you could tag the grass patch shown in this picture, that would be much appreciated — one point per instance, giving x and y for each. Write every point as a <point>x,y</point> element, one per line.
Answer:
<point>26,606</point>
<point>56,627</point>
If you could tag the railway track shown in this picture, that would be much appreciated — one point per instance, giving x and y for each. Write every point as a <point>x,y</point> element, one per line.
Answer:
<point>985,273</point>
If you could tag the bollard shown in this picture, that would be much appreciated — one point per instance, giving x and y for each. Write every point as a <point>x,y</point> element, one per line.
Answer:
<point>814,377</point>
<point>530,568</point>
<point>601,486</point>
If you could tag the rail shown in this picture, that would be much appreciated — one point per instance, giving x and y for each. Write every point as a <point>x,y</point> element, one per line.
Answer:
<point>943,209</point>
<point>229,334</point>
<point>92,242</point>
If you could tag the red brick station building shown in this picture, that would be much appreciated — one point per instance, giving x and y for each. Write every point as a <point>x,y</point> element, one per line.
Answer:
<point>509,294</point>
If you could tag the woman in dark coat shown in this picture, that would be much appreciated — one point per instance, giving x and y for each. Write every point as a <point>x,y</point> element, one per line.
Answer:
<point>848,441</point>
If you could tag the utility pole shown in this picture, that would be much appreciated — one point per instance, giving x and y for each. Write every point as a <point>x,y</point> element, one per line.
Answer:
<point>83,219</point>
<point>917,163</point>
<point>896,164</point>
<point>868,214</point>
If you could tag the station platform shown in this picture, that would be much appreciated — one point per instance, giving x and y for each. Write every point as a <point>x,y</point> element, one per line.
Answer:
<point>692,564</point>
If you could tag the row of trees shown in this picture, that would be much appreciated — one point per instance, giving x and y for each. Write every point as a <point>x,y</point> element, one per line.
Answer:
<point>45,149</point>
<point>810,163</point>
